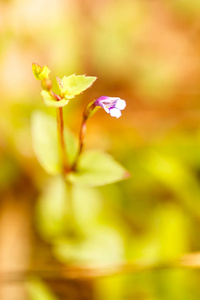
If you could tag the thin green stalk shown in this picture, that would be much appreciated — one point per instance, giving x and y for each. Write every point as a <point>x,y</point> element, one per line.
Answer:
<point>61,139</point>
<point>88,112</point>
<point>82,135</point>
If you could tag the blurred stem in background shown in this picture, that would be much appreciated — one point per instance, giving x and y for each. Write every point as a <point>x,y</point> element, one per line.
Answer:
<point>190,261</point>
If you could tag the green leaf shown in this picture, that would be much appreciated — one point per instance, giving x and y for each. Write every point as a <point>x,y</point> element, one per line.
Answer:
<point>52,209</point>
<point>96,168</point>
<point>54,214</point>
<point>49,100</point>
<point>103,245</point>
<point>38,290</point>
<point>74,84</point>
<point>87,203</point>
<point>45,142</point>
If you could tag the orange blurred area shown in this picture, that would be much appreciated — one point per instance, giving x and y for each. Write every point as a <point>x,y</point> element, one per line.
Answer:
<point>146,52</point>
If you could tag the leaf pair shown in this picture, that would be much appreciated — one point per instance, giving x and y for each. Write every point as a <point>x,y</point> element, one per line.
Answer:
<point>94,168</point>
<point>79,236</point>
<point>73,85</point>
<point>69,87</point>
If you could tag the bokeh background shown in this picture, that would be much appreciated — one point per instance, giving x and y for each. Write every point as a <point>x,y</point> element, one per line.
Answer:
<point>148,53</point>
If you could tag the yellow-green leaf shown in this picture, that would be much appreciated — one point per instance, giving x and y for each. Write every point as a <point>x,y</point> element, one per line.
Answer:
<point>73,85</point>
<point>54,214</point>
<point>103,245</point>
<point>96,168</point>
<point>45,142</point>
<point>52,209</point>
<point>49,100</point>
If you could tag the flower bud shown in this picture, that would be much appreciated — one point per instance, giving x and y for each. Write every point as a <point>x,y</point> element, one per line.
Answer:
<point>40,73</point>
<point>46,84</point>
<point>36,70</point>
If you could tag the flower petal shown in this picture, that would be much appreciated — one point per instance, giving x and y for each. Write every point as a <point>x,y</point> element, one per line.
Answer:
<point>120,104</point>
<point>112,105</point>
<point>105,108</point>
<point>114,112</point>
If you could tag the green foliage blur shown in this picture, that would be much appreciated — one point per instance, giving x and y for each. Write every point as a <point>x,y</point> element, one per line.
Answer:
<point>146,52</point>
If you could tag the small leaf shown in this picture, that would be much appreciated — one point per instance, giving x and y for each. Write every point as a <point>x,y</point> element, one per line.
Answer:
<point>45,142</point>
<point>73,85</point>
<point>49,100</point>
<point>96,168</point>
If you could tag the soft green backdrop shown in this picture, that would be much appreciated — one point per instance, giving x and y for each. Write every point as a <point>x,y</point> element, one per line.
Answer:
<point>146,52</point>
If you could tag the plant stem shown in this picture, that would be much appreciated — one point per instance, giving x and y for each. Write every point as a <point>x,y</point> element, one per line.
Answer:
<point>88,112</point>
<point>82,134</point>
<point>60,126</point>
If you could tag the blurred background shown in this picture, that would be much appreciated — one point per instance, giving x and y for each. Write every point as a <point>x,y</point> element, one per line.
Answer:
<point>148,53</point>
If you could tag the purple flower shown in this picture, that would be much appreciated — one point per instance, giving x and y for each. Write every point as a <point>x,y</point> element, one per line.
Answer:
<point>112,105</point>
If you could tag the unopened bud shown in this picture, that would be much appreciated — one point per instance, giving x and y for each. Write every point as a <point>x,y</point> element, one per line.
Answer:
<point>46,84</point>
<point>36,70</point>
<point>40,73</point>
